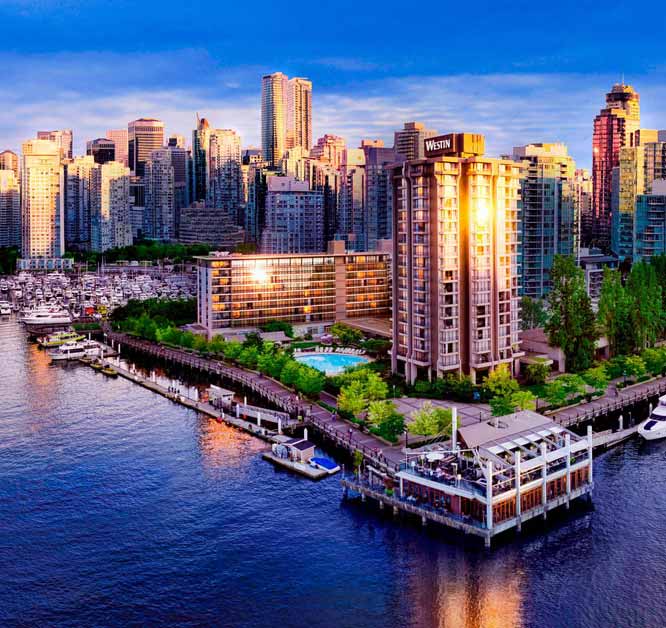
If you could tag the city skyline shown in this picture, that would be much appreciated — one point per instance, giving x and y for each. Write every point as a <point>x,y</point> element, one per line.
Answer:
<point>359,90</point>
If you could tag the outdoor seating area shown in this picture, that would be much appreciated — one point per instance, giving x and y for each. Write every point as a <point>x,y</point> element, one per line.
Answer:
<point>342,350</point>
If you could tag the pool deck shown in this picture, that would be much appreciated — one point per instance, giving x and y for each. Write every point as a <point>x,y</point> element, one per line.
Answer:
<point>306,357</point>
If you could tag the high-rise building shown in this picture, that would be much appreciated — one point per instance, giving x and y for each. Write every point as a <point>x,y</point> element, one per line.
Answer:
<point>102,150</point>
<point>145,135</point>
<point>9,160</point>
<point>351,218</point>
<point>159,218</point>
<point>299,113</point>
<point>10,209</point>
<point>120,139</point>
<point>224,172</point>
<point>582,187</point>
<point>409,141</point>
<point>176,141</point>
<point>329,149</point>
<point>654,166</point>
<point>549,212</point>
<point>294,217</point>
<point>64,139</point>
<point>286,115</point>
<point>456,222</point>
<point>649,237</point>
<point>200,145</point>
<point>614,128</point>
<point>42,216</point>
<point>77,201</point>
<point>111,224</point>
<point>181,162</point>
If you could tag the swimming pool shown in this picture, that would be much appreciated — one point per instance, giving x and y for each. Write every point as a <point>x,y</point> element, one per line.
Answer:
<point>330,363</point>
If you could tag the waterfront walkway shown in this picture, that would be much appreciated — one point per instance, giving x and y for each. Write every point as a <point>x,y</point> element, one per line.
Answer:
<point>342,433</point>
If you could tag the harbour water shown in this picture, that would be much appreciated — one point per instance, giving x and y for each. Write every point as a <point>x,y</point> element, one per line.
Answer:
<point>120,508</point>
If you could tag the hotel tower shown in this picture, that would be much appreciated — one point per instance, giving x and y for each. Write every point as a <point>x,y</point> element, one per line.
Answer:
<point>455,260</point>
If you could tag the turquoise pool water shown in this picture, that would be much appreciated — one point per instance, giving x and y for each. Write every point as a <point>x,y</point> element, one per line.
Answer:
<point>330,363</point>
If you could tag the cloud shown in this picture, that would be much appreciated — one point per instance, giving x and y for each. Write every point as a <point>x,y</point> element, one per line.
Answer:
<point>91,92</point>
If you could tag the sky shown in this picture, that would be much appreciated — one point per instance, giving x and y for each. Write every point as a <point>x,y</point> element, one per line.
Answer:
<point>516,71</point>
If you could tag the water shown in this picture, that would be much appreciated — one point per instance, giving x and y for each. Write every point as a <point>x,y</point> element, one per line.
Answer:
<point>331,363</point>
<point>120,508</point>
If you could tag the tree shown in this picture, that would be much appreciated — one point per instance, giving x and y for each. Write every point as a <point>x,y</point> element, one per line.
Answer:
<point>232,349</point>
<point>500,383</point>
<point>655,360</point>
<point>533,314</point>
<point>634,367</point>
<point>289,373</point>
<point>430,420</point>
<point>345,334</point>
<point>375,387</point>
<point>597,378</point>
<point>562,388</point>
<point>647,312</point>
<point>571,322</point>
<point>253,339</point>
<point>537,373</point>
<point>387,422</point>
<point>248,357</point>
<point>501,405</point>
<point>278,325</point>
<point>310,381</point>
<point>613,315</point>
<point>352,398</point>
<point>523,400</point>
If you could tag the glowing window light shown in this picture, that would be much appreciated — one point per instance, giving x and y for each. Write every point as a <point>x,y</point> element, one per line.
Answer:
<point>259,274</point>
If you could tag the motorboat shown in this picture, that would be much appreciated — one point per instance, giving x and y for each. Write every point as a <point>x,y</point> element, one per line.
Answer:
<point>60,338</point>
<point>324,464</point>
<point>47,316</point>
<point>5,308</point>
<point>654,427</point>
<point>75,350</point>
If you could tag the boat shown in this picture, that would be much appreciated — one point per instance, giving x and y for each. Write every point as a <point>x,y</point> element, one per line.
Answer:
<point>109,371</point>
<point>47,316</point>
<point>5,309</point>
<point>75,350</point>
<point>60,338</point>
<point>654,427</point>
<point>97,365</point>
<point>324,464</point>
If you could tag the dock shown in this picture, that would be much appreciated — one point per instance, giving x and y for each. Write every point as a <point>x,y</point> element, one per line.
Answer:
<point>306,470</point>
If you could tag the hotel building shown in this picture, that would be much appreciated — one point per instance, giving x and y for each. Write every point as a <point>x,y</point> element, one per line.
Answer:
<point>309,291</point>
<point>159,215</point>
<point>409,141</point>
<point>110,222</point>
<point>10,209</point>
<point>42,215</point>
<point>456,226</point>
<point>145,135</point>
<point>64,140</point>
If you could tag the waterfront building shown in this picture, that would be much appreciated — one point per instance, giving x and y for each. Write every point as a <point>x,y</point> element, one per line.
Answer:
<point>295,163</point>
<point>410,140</point>
<point>311,291</point>
<point>145,135</point>
<point>63,139</point>
<point>224,172</point>
<point>200,143</point>
<point>158,216</point>
<point>549,224</point>
<point>110,221</point>
<point>500,474</point>
<point>456,238</point>
<point>614,128</point>
<point>593,261</point>
<point>120,139</point>
<point>378,195</point>
<point>294,217</point>
<point>286,115</point>
<point>42,215</point>
<point>654,161</point>
<point>181,162</point>
<point>200,224</point>
<point>9,160</point>
<point>582,189</point>
<point>10,209</point>
<point>102,150</point>
<point>77,188</point>
<point>329,149</point>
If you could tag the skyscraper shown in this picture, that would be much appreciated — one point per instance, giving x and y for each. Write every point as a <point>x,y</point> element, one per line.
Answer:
<point>286,115</point>
<point>102,150</point>
<point>64,139</point>
<point>550,215</point>
<point>145,135</point>
<point>351,217</point>
<point>613,128</point>
<point>77,188</point>
<point>330,150</point>
<point>294,217</point>
<point>120,139</point>
<point>9,160</point>
<point>111,224</point>
<point>408,142</point>
<point>299,113</point>
<point>224,172</point>
<point>10,209</point>
<point>42,219</point>
<point>200,142</point>
<point>455,261</point>
<point>159,218</point>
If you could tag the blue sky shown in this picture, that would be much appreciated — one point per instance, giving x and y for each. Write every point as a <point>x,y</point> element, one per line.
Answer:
<point>516,71</point>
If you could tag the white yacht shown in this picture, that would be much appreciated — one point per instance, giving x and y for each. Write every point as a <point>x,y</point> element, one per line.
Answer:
<point>76,350</point>
<point>654,427</point>
<point>47,316</point>
<point>5,308</point>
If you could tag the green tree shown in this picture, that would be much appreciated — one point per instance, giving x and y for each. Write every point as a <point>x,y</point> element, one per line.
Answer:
<point>375,387</point>
<point>561,389</point>
<point>352,398</point>
<point>232,349</point>
<point>248,357</point>
<point>647,313</point>
<point>614,313</point>
<point>571,322</point>
<point>500,383</point>
<point>537,373</point>
<point>310,381</point>
<point>429,420</point>
<point>655,360</point>
<point>387,422</point>
<point>345,334</point>
<point>289,373</point>
<point>533,314</point>
<point>634,367</point>
<point>501,405</point>
<point>523,400</point>
<point>597,378</point>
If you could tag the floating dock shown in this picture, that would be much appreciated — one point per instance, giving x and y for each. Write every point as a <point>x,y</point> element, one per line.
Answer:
<point>306,470</point>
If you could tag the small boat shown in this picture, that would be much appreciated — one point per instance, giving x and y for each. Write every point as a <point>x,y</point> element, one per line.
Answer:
<point>5,309</point>
<point>109,371</point>
<point>654,427</point>
<point>97,365</point>
<point>324,464</point>
<point>60,338</point>
<point>75,350</point>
